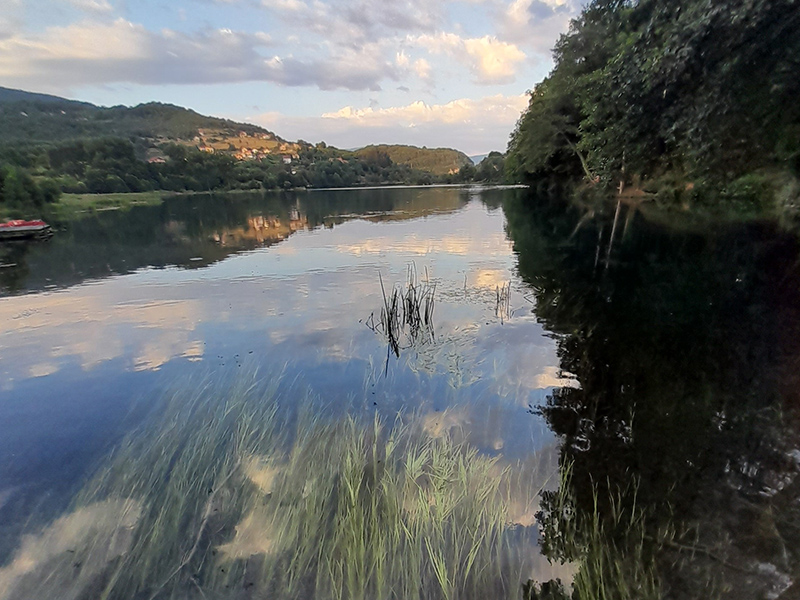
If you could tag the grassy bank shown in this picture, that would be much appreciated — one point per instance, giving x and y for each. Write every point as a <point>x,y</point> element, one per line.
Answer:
<point>84,202</point>
<point>70,204</point>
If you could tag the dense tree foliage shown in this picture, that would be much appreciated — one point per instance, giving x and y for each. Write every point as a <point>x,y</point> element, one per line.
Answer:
<point>703,90</point>
<point>491,169</point>
<point>19,190</point>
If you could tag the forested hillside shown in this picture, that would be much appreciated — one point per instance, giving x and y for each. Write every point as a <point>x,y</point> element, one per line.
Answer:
<point>438,161</point>
<point>27,117</point>
<point>685,97</point>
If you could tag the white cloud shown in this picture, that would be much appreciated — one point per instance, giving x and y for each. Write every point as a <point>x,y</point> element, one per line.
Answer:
<point>496,110</point>
<point>420,67</point>
<point>492,61</point>
<point>120,51</point>
<point>423,69</point>
<point>472,125</point>
<point>358,21</point>
<point>285,5</point>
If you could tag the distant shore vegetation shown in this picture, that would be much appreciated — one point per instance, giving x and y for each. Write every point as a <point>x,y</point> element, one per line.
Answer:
<point>18,190</point>
<point>37,174</point>
<point>63,146</point>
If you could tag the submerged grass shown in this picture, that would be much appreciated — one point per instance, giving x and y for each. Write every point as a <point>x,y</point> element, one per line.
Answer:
<point>234,496</point>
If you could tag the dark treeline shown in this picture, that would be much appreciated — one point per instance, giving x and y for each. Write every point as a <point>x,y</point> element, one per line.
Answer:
<point>27,117</point>
<point>115,166</point>
<point>688,99</point>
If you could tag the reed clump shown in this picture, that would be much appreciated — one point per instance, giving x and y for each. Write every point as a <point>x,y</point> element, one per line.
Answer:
<point>502,307</point>
<point>236,497</point>
<point>406,317</point>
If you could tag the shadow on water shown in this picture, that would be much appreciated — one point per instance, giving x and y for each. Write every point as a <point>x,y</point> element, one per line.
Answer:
<point>679,446</point>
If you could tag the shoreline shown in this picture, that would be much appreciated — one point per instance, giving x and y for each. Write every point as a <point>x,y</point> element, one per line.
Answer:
<point>115,201</point>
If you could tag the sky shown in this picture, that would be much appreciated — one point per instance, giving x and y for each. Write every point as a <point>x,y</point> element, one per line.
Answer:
<point>446,73</point>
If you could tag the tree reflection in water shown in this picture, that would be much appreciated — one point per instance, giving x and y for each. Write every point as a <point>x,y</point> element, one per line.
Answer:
<point>685,347</point>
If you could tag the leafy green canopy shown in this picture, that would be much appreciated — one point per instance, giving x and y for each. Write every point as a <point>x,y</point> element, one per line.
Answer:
<point>700,87</point>
<point>18,189</point>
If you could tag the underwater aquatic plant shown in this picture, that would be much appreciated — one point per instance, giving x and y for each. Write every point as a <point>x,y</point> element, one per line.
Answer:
<point>235,495</point>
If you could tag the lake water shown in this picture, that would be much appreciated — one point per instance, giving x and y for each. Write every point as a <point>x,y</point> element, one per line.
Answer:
<point>657,365</point>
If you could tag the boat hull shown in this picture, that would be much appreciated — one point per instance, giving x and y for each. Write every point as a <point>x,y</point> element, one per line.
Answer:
<point>27,231</point>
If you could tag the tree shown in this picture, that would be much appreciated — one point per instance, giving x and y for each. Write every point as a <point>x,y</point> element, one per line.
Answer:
<point>19,189</point>
<point>467,172</point>
<point>702,89</point>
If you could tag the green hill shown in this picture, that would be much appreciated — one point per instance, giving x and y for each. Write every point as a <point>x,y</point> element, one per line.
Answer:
<point>27,117</point>
<point>438,161</point>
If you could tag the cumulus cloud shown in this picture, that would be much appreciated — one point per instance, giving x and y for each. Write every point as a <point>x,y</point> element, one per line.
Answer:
<point>472,125</point>
<point>497,109</point>
<point>423,69</point>
<point>120,51</point>
<point>492,61</point>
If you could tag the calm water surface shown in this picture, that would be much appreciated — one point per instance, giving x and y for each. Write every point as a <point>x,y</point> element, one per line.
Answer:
<point>664,359</point>
<point>279,282</point>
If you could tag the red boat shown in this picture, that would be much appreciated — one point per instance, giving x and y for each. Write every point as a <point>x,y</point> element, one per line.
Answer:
<point>18,229</point>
